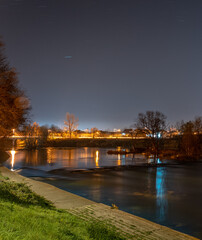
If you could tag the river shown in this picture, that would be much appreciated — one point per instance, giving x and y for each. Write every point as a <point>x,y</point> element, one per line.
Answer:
<point>169,195</point>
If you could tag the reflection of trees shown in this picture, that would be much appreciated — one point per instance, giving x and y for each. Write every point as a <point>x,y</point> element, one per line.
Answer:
<point>66,156</point>
<point>54,155</point>
<point>35,158</point>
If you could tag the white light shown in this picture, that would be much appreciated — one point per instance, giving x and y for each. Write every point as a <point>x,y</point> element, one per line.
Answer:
<point>13,159</point>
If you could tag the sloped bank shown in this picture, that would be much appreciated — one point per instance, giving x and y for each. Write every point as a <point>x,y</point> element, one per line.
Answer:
<point>130,226</point>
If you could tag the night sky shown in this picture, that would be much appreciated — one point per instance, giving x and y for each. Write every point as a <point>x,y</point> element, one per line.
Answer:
<point>106,60</point>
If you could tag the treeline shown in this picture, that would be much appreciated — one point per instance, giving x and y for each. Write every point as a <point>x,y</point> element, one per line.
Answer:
<point>168,147</point>
<point>151,126</point>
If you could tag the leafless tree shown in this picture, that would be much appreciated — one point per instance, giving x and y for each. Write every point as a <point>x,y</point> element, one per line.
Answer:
<point>197,125</point>
<point>154,124</point>
<point>94,130</point>
<point>71,123</point>
<point>152,121</point>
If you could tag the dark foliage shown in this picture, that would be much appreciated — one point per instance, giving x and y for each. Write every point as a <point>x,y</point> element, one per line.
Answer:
<point>191,141</point>
<point>98,229</point>
<point>14,105</point>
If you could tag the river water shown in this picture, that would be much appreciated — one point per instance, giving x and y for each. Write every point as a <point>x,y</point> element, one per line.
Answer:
<point>169,195</point>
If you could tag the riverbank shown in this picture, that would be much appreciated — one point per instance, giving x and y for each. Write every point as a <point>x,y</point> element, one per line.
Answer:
<point>26,215</point>
<point>130,226</point>
<point>169,148</point>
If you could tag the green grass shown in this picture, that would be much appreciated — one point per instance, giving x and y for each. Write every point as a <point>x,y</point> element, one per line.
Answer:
<point>26,215</point>
<point>21,194</point>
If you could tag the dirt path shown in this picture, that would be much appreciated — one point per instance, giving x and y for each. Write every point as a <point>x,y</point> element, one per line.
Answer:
<point>130,226</point>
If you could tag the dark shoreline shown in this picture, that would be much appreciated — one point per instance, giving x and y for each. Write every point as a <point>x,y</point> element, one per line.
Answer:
<point>170,148</point>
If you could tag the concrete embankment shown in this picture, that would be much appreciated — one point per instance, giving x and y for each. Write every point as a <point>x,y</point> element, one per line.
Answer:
<point>132,227</point>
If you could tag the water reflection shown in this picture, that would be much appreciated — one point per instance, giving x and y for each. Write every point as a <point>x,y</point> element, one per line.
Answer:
<point>161,199</point>
<point>49,156</point>
<point>119,160</point>
<point>12,159</point>
<point>34,158</point>
<point>76,158</point>
<point>97,159</point>
<point>123,160</point>
<point>169,195</point>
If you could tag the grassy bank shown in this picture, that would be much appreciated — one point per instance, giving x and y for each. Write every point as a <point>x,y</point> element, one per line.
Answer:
<point>26,215</point>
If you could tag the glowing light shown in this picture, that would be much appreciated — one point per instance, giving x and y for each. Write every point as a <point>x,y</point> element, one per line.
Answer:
<point>119,160</point>
<point>97,158</point>
<point>161,199</point>
<point>13,159</point>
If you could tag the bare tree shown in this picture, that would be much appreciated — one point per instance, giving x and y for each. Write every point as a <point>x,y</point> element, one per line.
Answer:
<point>152,121</point>
<point>197,125</point>
<point>154,124</point>
<point>94,130</point>
<point>71,123</point>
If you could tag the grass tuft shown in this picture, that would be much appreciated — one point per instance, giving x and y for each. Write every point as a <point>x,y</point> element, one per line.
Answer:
<point>20,193</point>
<point>99,229</point>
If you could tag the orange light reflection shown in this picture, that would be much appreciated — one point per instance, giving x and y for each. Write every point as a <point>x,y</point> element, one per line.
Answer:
<point>13,159</point>
<point>97,158</point>
<point>119,160</point>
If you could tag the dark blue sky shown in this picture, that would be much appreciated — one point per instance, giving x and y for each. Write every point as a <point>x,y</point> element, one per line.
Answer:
<point>106,61</point>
